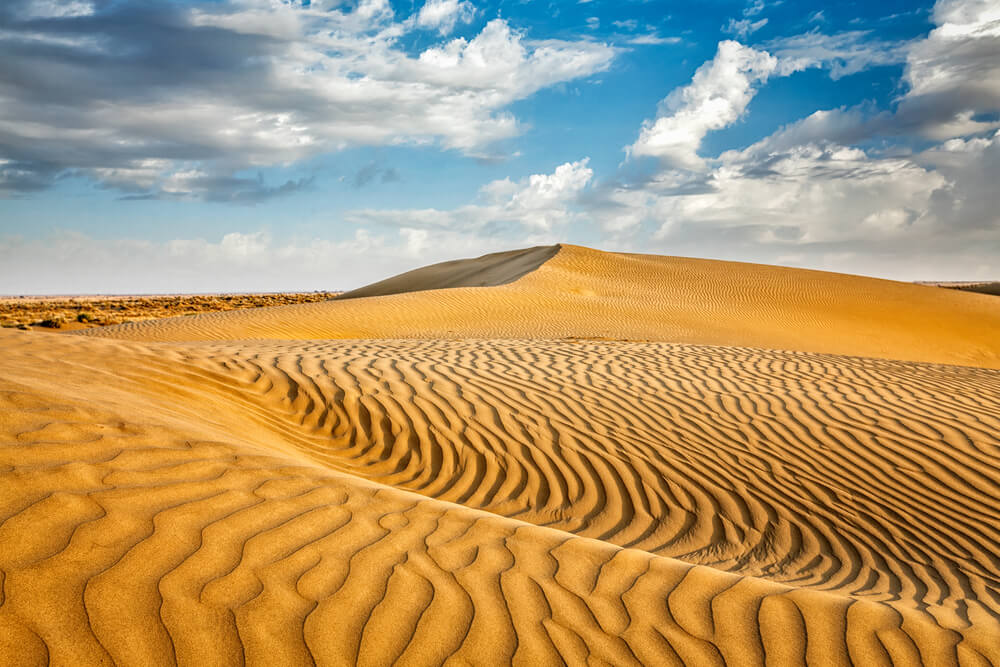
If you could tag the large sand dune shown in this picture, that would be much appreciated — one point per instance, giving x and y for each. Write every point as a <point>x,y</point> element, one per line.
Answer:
<point>435,498</point>
<point>583,293</point>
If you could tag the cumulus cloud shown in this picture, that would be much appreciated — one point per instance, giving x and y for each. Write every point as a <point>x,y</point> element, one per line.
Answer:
<point>806,194</point>
<point>823,205</point>
<point>541,203</point>
<point>954,74</point>
<point>442,15</point>
<point>717,96</point>
<point>257,83</point>
<point>847,189</point>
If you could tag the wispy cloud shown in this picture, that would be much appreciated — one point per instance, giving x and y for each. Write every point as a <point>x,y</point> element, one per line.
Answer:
<point>743,28</point>
<point>843,53</point>
<point>371,172</point>
<point>652,38</point>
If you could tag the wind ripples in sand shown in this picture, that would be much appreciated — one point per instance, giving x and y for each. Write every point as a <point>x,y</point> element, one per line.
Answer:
<point>345,501</point>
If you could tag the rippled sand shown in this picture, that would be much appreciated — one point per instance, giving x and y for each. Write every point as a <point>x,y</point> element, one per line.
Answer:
<point>467,475</point>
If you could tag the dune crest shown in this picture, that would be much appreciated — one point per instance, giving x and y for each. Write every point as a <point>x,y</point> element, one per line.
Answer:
<point>583,293</point>
<point>491,270</point>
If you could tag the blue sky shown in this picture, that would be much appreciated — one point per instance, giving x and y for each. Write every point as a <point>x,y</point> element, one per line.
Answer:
<point>241,145</point>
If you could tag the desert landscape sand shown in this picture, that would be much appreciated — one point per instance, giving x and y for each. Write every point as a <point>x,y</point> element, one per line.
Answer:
<point>83,312</point>
<point>583,293</point>
<point>548,456</point>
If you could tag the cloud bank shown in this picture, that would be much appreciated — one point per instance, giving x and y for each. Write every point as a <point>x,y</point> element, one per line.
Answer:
<point>165,99</point>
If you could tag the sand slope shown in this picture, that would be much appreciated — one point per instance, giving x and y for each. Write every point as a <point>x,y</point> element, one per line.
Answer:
<point>440,497</point>
<point>491,270</point>
<point>431,500</point>
<point>583,293</point>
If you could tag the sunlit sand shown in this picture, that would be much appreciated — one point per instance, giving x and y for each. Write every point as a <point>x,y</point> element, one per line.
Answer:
<point>544,455</point>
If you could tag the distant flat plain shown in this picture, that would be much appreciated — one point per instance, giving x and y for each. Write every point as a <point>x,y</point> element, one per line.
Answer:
<point>68,312</point>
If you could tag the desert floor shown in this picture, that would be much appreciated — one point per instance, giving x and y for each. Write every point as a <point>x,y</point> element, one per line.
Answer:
<point>81,312</point>
<point>544,456</point>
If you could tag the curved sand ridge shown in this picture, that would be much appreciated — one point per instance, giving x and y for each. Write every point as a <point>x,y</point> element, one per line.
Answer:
<point>493,270</point>
<point>513,500</point>
<point>583,293</point>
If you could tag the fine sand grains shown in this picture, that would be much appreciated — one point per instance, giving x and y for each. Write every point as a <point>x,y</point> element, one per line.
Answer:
<point>528,501</point>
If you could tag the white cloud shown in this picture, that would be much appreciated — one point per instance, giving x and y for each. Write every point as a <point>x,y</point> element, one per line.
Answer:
<point>753,8</point>
<point>808,193</point>
<point>967,17</point>
<point>43,9</point>
<point>541,203</point>
<point>286,83</point>
<point>743,27</point>
<point>843,54</point>
<point>954,74</point>
<point>653,39</point>
<point>442,15</point>
<point>970,206</point>
<point>952,77</point>
<point>501,66</point>
<point>717,96</point>
<point>823,205</point>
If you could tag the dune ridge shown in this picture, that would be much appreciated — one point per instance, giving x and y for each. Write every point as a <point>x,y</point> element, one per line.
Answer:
<point>492,270</point>
<point>584,293</point>
<point>626,502</point>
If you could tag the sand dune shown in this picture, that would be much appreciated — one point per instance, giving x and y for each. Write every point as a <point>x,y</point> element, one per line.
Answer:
<point>583,293</point>
<point>434,499</point>
<point>252,492</point>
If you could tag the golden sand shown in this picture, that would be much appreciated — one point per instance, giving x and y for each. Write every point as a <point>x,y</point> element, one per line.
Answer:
<point>469,481</point>
<point>583,293</point>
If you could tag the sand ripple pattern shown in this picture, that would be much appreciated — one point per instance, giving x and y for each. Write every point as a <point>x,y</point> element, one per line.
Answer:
<point>527,501</point>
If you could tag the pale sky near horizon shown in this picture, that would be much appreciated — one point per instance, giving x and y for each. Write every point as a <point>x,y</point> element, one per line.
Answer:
<point>270,145</point>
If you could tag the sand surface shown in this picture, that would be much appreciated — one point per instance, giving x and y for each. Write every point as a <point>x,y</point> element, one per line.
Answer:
<point>68,313</point>
<point>583,293</point>
<point>183,491</point>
